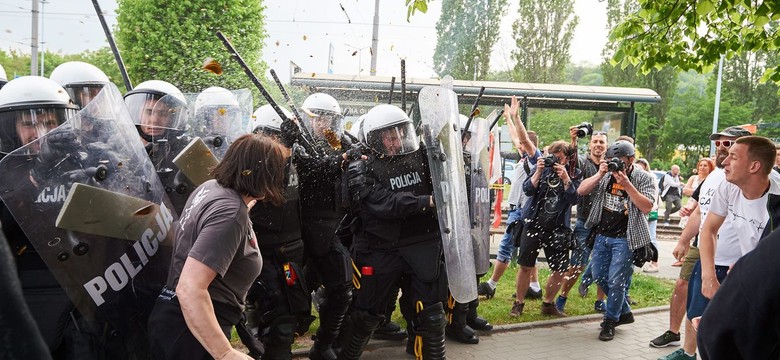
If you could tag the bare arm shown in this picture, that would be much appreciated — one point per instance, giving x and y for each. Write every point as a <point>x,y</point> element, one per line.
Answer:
<point>691,229</point>
<point>511,113</point>
<point>587,185</point>
<point>708,243</point>
<point>688,189</point>
<point>192,291</point>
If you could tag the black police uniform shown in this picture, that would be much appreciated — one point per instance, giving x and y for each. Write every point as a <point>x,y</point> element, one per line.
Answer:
<point>328,261</point>
<point>398,239</point>
<point>279,303</point>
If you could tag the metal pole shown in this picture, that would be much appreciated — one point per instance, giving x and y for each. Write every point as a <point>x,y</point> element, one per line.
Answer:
<point>375,38</point>
<point>34,39</point>
<point>717,105</point>
<point>403,85</point>
<point>112,44</point>
<point>476,59</point>
<point>43,48</point>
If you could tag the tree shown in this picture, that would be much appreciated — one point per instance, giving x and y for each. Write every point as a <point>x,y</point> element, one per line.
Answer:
<point>693,34</point>
<point>169,40</point>
<point>543,34</point>
<point>652,118</point>
<point>467,31</point>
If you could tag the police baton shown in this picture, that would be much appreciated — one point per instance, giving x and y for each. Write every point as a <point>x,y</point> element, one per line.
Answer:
<point>474,112</point>
<point>307,137</point>
<point>112,44</point>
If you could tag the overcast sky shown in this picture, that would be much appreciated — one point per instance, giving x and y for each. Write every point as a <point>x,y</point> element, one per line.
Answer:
<point>302,31</point>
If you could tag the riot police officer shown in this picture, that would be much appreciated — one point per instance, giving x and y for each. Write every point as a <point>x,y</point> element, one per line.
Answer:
<point>216,110</point>
<point>30,107</point>
<point>320,176</point>
<point>81,80</point>
<point>398,236</point>
<point>279,303</point>
<point>159,111</point>
<point>463,318</point>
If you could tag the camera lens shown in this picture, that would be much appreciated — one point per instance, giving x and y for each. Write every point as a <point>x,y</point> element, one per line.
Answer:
<point>581,133</point>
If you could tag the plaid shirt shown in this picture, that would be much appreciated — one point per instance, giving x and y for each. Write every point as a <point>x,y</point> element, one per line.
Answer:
<point>638,232</point>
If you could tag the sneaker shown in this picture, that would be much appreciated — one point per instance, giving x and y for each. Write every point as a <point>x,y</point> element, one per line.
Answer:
<point>600,306</point>
<point>666,339</point>
<point>651,268</point>
<point>533,295</point>
<point>560,303</point>
<point>549,309</point>
<point>517,309</point>
<point>678,354</point>
<point>485,290</point>
<point>583,289</point>
<point>607,330</point>
<point>624,319</point>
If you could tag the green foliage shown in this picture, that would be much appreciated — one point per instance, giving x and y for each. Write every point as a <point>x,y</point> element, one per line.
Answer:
<point>693,34</point>
<point>170,41</point>
<point>18,63</point>
<point>467,31</point>
<point>552,125</point>
<point>412,6</point>
<point>543,33</point>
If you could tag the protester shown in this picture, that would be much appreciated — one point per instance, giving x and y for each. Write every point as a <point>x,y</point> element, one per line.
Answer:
<point>671,193</point>
<point>652,220</point>
<point>216,258</point>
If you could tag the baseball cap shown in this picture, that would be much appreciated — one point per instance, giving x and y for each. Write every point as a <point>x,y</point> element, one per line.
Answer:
<point>733,131</point>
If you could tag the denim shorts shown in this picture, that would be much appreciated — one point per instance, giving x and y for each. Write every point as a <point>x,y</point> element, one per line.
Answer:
<point>506,247</point>
<point>696,301</point>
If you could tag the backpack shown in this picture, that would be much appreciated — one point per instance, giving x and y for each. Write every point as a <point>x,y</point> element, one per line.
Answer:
<point>661,183</point>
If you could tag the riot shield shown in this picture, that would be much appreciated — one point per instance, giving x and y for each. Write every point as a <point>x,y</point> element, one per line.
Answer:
<point>217,122</point>
<point>439,116</point>
<point>96,213</point>
<point>480,195</point>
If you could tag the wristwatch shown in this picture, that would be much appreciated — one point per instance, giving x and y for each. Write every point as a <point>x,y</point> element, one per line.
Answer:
<point>567,183</point>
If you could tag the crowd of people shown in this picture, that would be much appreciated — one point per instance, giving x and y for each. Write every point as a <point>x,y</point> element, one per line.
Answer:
<point>286,204</point>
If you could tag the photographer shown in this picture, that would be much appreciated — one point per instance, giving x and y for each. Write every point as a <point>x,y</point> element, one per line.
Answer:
<point>621,201</point>
<point>546,217</point>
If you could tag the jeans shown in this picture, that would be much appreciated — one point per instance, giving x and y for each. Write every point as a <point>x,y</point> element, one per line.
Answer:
<point>580,255</point>
<point>612,269</point>
<point>507,248</point>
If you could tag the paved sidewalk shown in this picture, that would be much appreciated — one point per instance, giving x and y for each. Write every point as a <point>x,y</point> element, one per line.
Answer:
<point>573,340</point>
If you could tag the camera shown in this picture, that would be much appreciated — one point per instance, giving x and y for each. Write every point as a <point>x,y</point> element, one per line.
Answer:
<point>615,164</point>
<point>584,129</point>
<point>550,160</point>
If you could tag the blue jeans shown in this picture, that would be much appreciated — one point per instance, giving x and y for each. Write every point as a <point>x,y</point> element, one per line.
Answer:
<point>612,269</point>
<point>507,248</point>
<point>580,255</point>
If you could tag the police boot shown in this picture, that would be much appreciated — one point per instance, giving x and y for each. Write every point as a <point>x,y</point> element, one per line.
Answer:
<point>457,329</point>
<point>474,320</point>
<point>332,312</point>
<point>430,332</point>
<point>411,339</point>
<point>279,339</point>
<point>361,325</point>
<point>389,331</point>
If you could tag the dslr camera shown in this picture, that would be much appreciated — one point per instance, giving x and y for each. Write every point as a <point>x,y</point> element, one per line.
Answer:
<point>615,164</point>
<point>550,160</point>
<point>584,129</point>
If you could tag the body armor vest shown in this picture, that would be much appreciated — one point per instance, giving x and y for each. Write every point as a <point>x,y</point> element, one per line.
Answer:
<point>279,225</point>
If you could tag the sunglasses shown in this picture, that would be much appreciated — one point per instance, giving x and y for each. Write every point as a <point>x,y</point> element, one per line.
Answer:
<point>599,133</point>
<point>725,143</point>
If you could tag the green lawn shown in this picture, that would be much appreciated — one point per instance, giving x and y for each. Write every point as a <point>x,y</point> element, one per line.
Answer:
<point>648,291</point>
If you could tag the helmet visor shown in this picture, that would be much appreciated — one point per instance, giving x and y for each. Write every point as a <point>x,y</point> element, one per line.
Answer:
<point>322,124</point>
<point>218,120</point>
<point>83,94</point>
<point>155,115</point>
<point>395,140</point>
<point>21,127</point>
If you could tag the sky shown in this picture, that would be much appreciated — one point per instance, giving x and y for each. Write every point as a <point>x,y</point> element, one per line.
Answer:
<point>304,32</point>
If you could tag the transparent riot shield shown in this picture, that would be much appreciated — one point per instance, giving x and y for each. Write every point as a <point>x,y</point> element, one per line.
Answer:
<point>89,200</point>
<point>480,195</point>
<point>219,121</point>
<point>439,115</point>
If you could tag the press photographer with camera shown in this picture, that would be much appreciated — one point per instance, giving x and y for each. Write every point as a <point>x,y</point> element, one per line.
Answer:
<point>623,196</point>
<point>553,191</point>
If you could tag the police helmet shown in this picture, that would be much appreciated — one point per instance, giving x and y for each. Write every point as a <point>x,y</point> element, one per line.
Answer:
<point>356,129</point>
<point>323,110</point>
<point>82,81</point>
<point>156,106</point>
<point>620,148</point>
<point>389,131</point>
<point>216,109</point>
<point>30,107</point>
<point>266,119</point>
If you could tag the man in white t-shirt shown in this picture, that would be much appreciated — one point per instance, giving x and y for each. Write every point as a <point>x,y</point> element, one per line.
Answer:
<point>743,200</point>
<point>728,250</point>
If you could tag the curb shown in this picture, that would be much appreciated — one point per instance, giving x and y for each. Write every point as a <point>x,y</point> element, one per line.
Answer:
<point>376,344</point>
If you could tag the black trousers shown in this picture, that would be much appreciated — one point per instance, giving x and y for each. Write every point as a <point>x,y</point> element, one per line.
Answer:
<point>169,336</point>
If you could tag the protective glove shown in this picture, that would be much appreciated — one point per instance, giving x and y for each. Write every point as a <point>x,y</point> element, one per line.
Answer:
<point>290,132</point>
<point>56,149</point>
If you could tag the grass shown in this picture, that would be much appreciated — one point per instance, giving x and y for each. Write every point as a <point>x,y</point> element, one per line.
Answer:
<point>648,291</point>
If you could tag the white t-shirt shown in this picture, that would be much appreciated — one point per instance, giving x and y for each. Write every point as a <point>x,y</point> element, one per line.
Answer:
<point>748,217</point>
<point>728,250</point>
